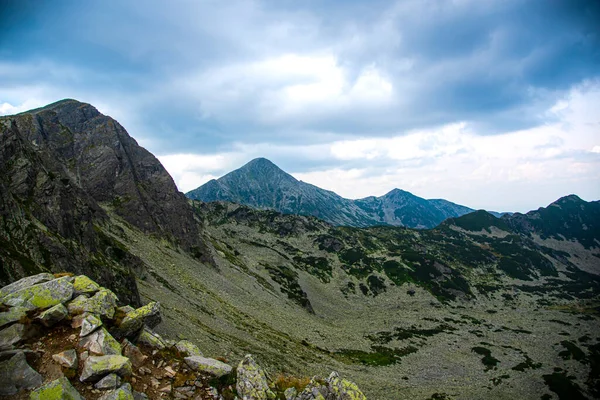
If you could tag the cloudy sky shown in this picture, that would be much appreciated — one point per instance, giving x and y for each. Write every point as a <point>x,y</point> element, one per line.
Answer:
<point>490,104</point>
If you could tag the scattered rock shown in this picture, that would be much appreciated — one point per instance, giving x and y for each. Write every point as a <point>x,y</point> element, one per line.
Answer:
<point>103,303</point>
<point>89,324</point>
<point>67,359</point>
<point>25,283</point>
<point>187,348</point>
<point>139,396</point>
<point>42,295</point>
<point>122,393</point>
<point>13,315</point>
<point>134,321</point>
<point>252,381</point>
<point>16,374</point>
<point>170,372</point>
<point>290,393</point>
<point>53,315</point>
<point>133,353</point>
<point>11,335</point>
<point>84,285</point>
<point>211,366</point>
<point>333,388</point>
<point>100,342</point>
<point>151,339</point>
<point>110,381</point>
<point>96,367</point>
<point>60,389</point>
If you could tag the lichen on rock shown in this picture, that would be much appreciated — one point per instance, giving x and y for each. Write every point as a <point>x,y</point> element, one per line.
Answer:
<point>252,381</point>
<point>59,389</point>
<point>96,367</point>
<point>42,295</point>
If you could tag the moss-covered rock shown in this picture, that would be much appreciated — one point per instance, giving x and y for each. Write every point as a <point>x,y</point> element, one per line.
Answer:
<point>103,303</point>
<point>187,348</point>
<point>100,342</point>
<point>122,393</point>
<point>25,283</point>
<point>60,389</point>
<point>11,335</point>
<point>42,295</point>
<point>133,322</point>
<point>152,339</point>
<point>14,314</point>
<point>333,388</point>
<point>211,366</point>
<point>252,381</point>
<point>89,324</point>
<point>96,367</point>
<point>84,285</point>
<point>16,374</point>
<point>53,315</point>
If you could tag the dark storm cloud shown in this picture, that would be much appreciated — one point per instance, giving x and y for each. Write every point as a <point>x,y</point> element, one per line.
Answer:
<point>190,76</point>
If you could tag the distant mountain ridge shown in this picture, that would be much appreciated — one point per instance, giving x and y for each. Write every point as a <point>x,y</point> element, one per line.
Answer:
<point>263,185</point>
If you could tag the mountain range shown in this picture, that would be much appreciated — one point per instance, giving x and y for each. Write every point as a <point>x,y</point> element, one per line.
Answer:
<point>263,185</point>
<point>476,307</point>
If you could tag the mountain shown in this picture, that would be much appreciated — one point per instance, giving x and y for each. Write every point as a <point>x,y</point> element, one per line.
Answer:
<point>61,166</point>
<point>263,185</point>
<point>456,311</point>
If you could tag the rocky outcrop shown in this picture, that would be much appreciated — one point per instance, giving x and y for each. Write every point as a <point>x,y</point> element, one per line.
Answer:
<point>96,366</point>
<point>333,388</point>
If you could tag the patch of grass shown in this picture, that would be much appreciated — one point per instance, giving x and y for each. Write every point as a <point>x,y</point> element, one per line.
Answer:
<point>284,382</point>
<point>379,356</point>
<point>571,352</point>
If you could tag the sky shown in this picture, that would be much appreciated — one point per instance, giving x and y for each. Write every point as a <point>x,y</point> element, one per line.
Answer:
<point>491,104</point>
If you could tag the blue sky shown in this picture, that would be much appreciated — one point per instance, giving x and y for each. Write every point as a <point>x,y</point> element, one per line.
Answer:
<point>491,104</point>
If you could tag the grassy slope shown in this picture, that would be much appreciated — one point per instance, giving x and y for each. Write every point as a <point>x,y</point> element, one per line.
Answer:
<point>393,344</point>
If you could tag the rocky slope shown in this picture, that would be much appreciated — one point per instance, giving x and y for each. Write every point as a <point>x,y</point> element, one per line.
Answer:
<point>452,312</point>
<point>58,340</point>
<point>59,166</point>
<point>263,185</point>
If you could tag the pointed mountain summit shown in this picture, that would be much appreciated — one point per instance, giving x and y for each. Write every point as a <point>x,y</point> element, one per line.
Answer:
<point>262,184</point>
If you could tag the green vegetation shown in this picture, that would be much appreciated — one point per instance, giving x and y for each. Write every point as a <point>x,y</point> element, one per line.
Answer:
<point>487,360</point>
<point>563,386</point>
<point>571,352</point>
<point>379,356</point>
<point>288,281</point>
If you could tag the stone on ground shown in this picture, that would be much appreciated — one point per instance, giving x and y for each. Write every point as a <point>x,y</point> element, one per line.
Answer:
<point>211,366</point>
<point>152,339</point>
<point>110,381</point>
<point>24,283</point>
<point>89,324</point>
<point>60,389</point>
<point>134,321</point>
<point>103,303</point>
<point>84,285</point>
<point>42,295</point>
<point>122,393</point>
<point>16,374</point>
<point>53,315</point>
<point>132,352</point>
<point>14,314</point>
<point>187,348</point>
<point>252,381</point>
<point>100,342</point>
<point>67,358</point>
<point>96,367</point>
<point>11,335</point>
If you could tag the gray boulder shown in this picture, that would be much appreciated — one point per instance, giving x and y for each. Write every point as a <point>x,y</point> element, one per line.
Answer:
<point>42,295</point>
<point>152,339</point>
<point>14,314</point>
<point>53,315</point>
<point>187,348</point>
<point>210,366</point>
<point>134,321</point>
<point>122,393</point>
<point>89,324</point>
<point>100,342</point>
<point>24,283</point>
<point>60,389</point>
<point>334,388</point>
<point>110,381</point>
<point>67,358</point>
<point>16,374</point>
<point>96,367</point>
<point>132,352</point>
<point>252,381</point>
<point>12,335</point>
<point>84,285</point>
<point>103,303</point>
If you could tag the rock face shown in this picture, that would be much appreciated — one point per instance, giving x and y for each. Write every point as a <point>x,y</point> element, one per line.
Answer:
<point>261,184</point>
<point>60,164</point>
